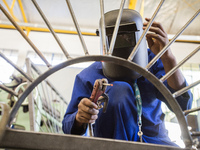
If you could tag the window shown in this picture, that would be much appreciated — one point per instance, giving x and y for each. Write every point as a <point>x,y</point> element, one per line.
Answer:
<point>54,59</point>
<point>7,69</point>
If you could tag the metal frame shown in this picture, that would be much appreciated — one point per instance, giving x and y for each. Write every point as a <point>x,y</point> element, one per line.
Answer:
<point>168,96</point>
<point>41,141</point>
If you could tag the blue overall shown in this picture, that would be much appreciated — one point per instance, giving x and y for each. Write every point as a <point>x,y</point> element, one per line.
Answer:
<point>121,119</point>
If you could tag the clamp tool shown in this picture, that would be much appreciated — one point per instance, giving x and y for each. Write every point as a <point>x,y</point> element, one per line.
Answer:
<point>99,97</point>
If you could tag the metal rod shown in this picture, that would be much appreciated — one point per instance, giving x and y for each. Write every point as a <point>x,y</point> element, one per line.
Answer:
<point>186,112</point>
<point>42,28</point>
<point>48,129</point>
<point>151,63</point>
<point>133,53</point>
<point>16,67</point>
<point>195,133</point>
<point>103,30</point>
<point>31,105</point>
<point>40,128</point>
<point>4,119</point>
<point>51,29</point>
<point>179,64</point>
<point>185,89</point>
<point>77,27</point>
<point>25,36</point>
<point>52,130</point>
<point>8,90</point>
<point>39,101</point>
<point>51,107</point>
<point>114,36</point>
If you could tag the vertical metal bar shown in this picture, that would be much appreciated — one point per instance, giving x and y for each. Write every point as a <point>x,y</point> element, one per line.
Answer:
<point>179,64</point>
<point>132,4</point>
<point>50,106</point>
<point>22,11</point>
<point>25,36</point>
<point>38,103</point>
<point>16,67</point>
<point>24,16</point>
<point>114,36</point>
<point>30,100</point>
<point>45,111</point>
<point>133,53</point>
<point>151,63</point>
<point>77,27</point>
<point>39,109</point>
<point>185,89</point>
<point>51,29</point>
<point>4,119</point>
<point>102,26</point>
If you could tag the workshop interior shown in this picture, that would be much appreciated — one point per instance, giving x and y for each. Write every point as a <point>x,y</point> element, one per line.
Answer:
<point>44,44</point>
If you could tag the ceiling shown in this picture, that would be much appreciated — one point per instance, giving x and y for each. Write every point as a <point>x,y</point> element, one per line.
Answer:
<point>173,14</point>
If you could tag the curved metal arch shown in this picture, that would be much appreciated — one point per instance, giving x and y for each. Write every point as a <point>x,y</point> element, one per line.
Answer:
<point>131,65</point>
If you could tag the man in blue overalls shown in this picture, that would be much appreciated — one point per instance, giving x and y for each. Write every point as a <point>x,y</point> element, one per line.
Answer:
<point>121,118</point>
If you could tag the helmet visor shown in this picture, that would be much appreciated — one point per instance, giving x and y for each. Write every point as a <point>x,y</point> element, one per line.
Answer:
<point>125,37</point>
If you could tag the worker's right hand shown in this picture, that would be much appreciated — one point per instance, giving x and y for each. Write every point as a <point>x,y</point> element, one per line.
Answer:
<point>87,112</point>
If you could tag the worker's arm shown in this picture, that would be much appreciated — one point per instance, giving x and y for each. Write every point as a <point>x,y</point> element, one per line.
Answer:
<point>157,39</point>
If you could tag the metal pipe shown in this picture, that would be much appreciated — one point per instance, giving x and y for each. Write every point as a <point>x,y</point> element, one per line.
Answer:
<point>77,27</point>
<point>185,89</point>
<point>102,26</point>
<point>39,109</point>
<point>114,36</point>
<point>151,63</point>
<point>31,105</point>
<point>179,64</point>
<point>42,28</point>
<point>25,36</point>
<point>50,126</point>
<point>186,112</point>
<point>195,133</point>
<point>16,67</point>
<point>4,119</point>
<point>50,107</point>
<point>133,53</point>
<point>51,29</point>
<point>8,90</point>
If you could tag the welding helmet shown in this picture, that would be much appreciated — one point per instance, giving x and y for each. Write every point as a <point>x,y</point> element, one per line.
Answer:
<point>129,32</point>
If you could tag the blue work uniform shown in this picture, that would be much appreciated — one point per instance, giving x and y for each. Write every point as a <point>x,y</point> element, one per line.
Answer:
<point>121,120</point>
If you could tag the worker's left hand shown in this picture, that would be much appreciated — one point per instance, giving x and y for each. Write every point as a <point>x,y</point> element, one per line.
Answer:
<point>157,38</point>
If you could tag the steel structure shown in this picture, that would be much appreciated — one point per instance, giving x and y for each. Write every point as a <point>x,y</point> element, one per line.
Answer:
<point>10,138</point>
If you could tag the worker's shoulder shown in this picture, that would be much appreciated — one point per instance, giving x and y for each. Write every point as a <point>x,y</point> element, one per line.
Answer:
<point>93,66</point>
<point>92,69</point>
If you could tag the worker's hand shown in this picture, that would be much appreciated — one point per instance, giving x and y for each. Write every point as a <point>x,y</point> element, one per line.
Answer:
<point>157,38</point>
<point>87,112</point>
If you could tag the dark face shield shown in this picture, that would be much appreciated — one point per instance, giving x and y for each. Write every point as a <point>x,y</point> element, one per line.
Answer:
<point>129,32</point>
<point>126,35</point>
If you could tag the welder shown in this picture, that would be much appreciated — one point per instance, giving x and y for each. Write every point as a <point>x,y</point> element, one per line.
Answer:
<point>134,110</point>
